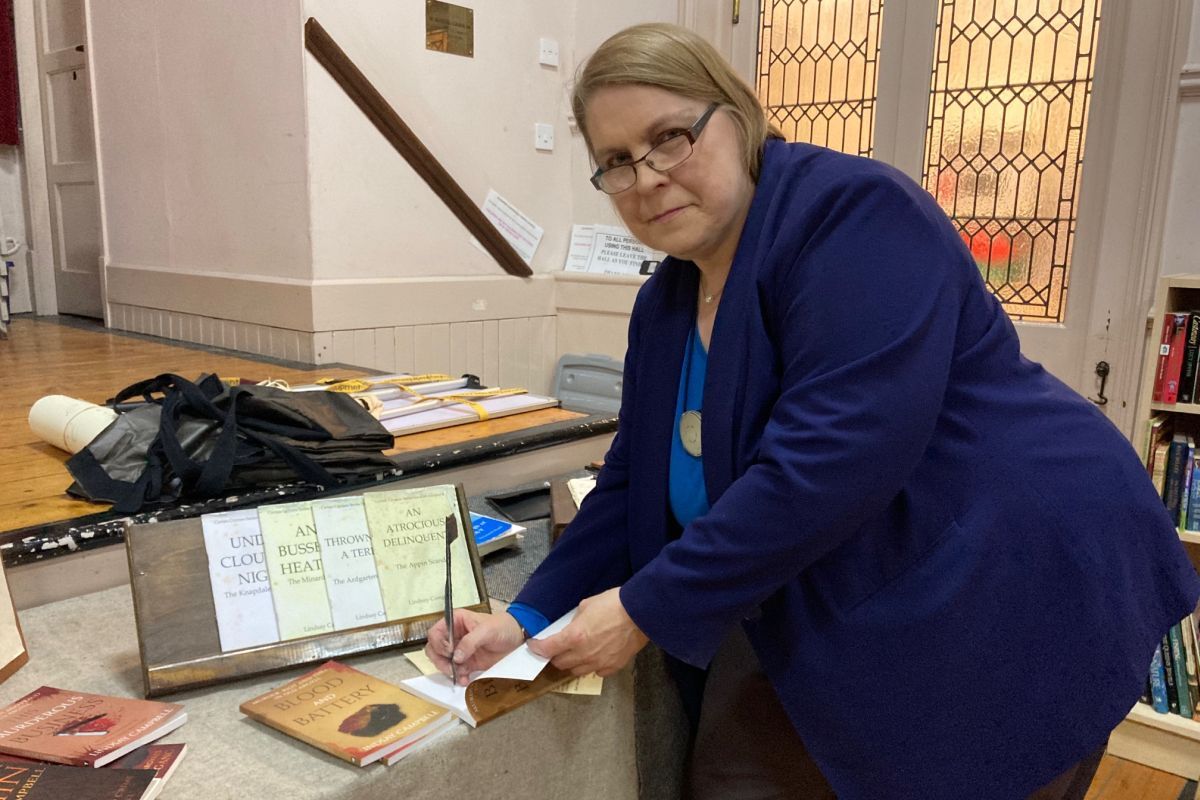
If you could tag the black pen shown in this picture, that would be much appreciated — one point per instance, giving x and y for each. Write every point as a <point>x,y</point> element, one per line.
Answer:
<point>451,535</point>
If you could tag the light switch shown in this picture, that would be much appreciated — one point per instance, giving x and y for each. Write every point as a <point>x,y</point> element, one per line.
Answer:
<point>548,52</point>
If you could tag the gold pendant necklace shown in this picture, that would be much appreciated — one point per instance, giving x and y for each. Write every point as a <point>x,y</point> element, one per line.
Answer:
<point>690,421</point>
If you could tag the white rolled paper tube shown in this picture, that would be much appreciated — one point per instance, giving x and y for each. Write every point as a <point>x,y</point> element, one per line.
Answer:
<point>67,423</point>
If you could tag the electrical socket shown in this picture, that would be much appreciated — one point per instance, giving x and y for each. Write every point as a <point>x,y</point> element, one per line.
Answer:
<point>543,136</point>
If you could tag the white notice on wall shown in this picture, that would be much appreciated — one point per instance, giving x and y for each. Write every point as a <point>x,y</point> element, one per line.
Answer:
<point>607,249</point>
<point>521,232</point>
<point>240,586</point>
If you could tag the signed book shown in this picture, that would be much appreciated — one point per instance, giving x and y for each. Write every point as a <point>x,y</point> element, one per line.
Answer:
<point>513,681</point>
<point>86,730</point>
<point>34,781</point>
<point>349,714</point>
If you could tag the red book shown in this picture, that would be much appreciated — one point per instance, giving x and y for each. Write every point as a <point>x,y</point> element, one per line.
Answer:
<point>1174,366</point>
<point>1164,350</point>
<point>87,730</point>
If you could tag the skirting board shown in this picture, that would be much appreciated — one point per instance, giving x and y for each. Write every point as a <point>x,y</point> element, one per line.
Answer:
<point>1166,742</point>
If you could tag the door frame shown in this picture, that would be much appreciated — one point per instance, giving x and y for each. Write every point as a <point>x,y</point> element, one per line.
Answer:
<point>1135,102</point>
<point>33,154</point>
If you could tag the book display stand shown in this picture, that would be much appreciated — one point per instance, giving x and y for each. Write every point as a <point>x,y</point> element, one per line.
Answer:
<point>1167,742</point>
<point>178,637</point>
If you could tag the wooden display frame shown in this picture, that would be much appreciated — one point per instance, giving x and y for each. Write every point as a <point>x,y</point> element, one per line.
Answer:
<point>176,618</point>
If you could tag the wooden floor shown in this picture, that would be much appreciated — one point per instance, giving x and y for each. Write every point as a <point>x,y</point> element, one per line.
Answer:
<point>43,357</point>
<point>80,359</point>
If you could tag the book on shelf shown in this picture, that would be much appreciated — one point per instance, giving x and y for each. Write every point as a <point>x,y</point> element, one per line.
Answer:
<point>163,759</point>
<point>1189,653</point>
<point>1173,482</point>
<point>1158,683</point>
<point>1173,366</point>
<point>347,713</point>
<point>1191,351</point>
<point>513,681</point>
<point>82,729</point>
<point>1179,662</point>
<point>39,781</point>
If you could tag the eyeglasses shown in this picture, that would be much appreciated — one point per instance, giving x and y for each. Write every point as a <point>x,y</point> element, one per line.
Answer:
<point>664,156</point>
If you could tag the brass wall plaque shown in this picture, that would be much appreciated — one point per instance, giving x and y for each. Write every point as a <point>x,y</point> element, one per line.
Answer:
<point>449,28</point>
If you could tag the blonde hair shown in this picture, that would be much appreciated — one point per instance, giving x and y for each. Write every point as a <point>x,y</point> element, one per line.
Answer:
<point>679,61</point>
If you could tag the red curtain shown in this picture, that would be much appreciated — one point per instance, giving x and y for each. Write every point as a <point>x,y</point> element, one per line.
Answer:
<point>10,101</point>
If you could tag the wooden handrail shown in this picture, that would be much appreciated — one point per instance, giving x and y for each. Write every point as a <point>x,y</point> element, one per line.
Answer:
<point>360,90</point>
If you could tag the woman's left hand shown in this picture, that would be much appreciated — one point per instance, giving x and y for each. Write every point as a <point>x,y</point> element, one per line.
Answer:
<point>601,639</point>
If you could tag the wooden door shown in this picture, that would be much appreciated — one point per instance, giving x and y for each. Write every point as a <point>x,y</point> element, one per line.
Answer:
<point>70,147</point>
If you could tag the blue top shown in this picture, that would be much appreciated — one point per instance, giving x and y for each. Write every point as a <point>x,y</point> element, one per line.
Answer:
<point>689,499</point>
<point>903,507</point>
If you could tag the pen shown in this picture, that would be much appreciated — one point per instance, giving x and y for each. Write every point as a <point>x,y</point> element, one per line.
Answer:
<point>451,535</point>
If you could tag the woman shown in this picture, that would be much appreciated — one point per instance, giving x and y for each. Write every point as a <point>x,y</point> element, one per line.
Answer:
<point>834,466</point>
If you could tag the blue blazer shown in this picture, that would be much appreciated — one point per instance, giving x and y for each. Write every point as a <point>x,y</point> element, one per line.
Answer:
<point>952,567</point>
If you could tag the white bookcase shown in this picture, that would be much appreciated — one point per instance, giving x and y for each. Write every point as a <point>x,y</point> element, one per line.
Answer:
<point>1167,742</point>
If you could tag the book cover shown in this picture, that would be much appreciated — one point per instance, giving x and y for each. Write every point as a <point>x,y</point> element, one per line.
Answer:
<point>30,781</point>
<point>162,759</point>
<point>513,681</point>
<point>493,534</point>
<point>1173,487</point>
<point>1191,348</point>
<point>1189,655</point>
<point>437,731</point>
<point>1175,358</point>
<point>351,578</point>
<point>1158,684</point>
<point>1156,427</point>
<point>241,588</point>
<point>408,535</point>
<point>1164,351</point>
<point>296,571</point>
<point>1169,674</point>
<point>347,713</point>
<point>1179,662</point>
<point>1185,496</point>
<point>87,730</point>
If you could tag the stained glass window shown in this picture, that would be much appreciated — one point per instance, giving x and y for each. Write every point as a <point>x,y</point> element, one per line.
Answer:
<point>817,70</point>
<point>1004,146</point>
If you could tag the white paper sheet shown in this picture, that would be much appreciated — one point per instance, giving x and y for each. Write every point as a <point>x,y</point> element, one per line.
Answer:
<point>521,232</point>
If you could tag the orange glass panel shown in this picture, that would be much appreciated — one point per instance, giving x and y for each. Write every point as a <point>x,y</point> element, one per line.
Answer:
<point>1004,147</point>
<point>818,68</point>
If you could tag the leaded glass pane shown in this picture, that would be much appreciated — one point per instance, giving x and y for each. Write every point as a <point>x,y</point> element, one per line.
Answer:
<point>1004,146</point>
<point>817,65</point>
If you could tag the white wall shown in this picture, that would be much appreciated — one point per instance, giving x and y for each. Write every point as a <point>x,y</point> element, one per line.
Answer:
<point>202,142</point>
<point>372,215</point>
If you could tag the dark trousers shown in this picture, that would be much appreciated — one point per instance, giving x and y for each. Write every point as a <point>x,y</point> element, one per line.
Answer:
<point>747,749</point>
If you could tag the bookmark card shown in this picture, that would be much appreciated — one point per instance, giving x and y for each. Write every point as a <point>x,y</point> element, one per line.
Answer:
<point>349,562</point>
<point>408,532</point>
<point>240,585</point>
<point>295,569</point>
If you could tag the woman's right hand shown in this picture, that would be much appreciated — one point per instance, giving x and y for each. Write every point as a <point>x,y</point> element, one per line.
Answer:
<point>482,640</point>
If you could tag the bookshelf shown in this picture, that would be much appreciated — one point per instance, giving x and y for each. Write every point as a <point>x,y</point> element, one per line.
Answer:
<point>1166,742</point>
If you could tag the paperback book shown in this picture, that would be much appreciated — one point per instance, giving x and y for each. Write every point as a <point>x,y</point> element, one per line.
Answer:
<point>85,730</point>
<point>347,713</point>
<point>162,759</point>
<point>33,781</point>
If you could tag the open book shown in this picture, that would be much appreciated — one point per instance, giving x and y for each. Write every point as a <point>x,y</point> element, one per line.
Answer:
<point>512,681</point>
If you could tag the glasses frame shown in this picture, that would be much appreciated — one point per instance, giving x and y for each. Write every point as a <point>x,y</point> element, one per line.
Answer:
<point>691,134</point>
